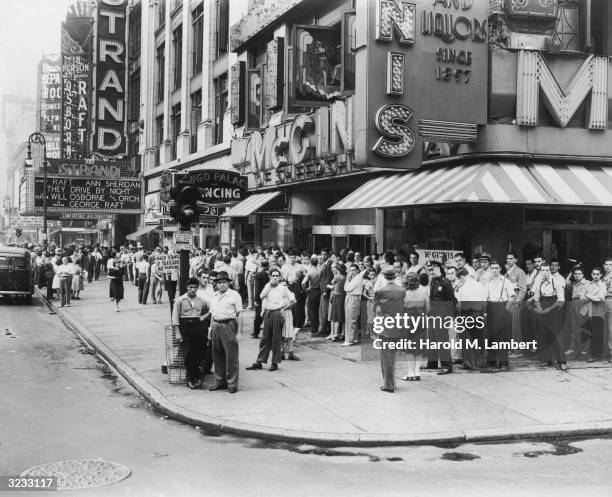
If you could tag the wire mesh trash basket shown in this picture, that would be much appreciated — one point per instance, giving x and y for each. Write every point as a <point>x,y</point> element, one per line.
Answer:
<point>175,357</point>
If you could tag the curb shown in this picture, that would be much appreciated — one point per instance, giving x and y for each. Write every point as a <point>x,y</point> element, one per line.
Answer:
<point>216,425</point>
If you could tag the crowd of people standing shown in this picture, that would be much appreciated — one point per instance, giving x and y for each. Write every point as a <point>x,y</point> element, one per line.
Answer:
<point>338,295</point>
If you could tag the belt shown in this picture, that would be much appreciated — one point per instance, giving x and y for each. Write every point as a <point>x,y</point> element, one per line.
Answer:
<point>224,321</point>
<point>274,310</point>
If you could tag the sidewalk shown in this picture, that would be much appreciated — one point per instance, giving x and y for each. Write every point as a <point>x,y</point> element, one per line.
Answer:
<point>332,397</point>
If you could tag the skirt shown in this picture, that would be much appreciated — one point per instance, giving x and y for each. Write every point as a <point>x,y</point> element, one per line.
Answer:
<point>77,282</point>
<point>116,289</point>
<point>337,308</point>
<point>288,329</point>
<point>56,281</point>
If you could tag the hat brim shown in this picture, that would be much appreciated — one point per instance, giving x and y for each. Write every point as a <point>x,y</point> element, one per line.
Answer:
<point>223,279</point>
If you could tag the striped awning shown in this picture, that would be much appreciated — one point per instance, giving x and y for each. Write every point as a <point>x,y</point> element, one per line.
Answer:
<point>250,204</point>
<point>493,182</point>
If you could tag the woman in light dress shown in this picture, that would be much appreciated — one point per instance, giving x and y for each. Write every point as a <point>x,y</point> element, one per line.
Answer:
<point>77,279</point>
<point>336,301</point>
<point>289,332</point>
<point>415,304</point>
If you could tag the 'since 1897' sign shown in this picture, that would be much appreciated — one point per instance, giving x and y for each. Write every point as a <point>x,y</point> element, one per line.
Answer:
<point>432,55</point>
<point>90,195</point>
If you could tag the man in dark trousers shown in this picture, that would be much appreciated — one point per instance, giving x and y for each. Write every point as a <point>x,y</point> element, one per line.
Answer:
<point>442,302</point>
<point>276,298</point>
<point>188,322</point>
<point>260,279</point>
<point>326,276</point>
<point>312,285</point>
<point>388,302</point>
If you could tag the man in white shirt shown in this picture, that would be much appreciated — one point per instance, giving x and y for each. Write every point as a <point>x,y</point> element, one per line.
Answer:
<point>275,299</point>
<point>471,301</point>
<point>484,273</point>
<point>225,309</point>
<point>549,298</point>
<point>500,291</point>
<point>143,269</point>
<point>250,268</point>
<point>461,262</point>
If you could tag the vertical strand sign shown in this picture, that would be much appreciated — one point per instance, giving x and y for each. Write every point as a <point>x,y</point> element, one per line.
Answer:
<point>110,78</point>
<point>75,76</point>
<point>50,103</point>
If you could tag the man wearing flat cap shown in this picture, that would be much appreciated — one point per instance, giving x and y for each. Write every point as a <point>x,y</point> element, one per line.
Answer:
<point>225,307</point>
<point>484,274</point>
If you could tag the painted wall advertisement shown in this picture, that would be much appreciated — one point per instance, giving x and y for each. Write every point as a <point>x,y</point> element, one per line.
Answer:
<point>432,56</point>
<point>110,133</point>
<point>50,103</point>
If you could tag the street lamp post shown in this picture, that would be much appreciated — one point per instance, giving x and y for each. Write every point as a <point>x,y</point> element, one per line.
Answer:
<point>37,137</point>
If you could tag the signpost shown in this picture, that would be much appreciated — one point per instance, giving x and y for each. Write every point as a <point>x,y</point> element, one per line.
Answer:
<point>167,262</point>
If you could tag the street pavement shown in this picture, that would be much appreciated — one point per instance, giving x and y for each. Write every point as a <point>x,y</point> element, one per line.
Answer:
<point>332,395</point>
<point>59,403</point>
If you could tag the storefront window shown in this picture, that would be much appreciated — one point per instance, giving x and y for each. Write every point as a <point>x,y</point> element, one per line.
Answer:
<point>277,231</point>
<point>445,228</point>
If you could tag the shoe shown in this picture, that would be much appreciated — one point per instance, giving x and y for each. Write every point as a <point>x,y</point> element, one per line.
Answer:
<point>232,389</point>
<point>444,371</point>
<point>593,359</point>
<point>489,370</point>
<point>408,378</point>
<point>504,367</point>
<point>283,356</point>
<point>217,387</point>
<point>346,344</point>
<point>562,367</point>
<point>116,310</point>
<point>255,365</point>
<point>417,378</point>
<point>329,337</point>
<point>390,390</point>
<point>67,305</point>
<point>293,357</point>
<point>274,367</point>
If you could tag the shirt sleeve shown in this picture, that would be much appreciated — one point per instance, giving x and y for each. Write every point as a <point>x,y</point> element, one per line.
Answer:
<point>176,312</point>
<point>559,290</point>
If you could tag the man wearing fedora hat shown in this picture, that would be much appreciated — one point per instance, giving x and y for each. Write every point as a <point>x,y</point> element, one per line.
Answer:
<point>225,308</point>
<point>389,301</point>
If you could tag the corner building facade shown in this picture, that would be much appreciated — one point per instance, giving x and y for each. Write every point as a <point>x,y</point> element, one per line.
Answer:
<point>442,125</point>
<point>184,115</point>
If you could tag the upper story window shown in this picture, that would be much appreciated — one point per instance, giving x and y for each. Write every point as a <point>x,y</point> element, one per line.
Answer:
<point>197,20</point>
<point>222,27</point>
<point>175,4</point>
<point>175,127</point>
<point>161,13</point>
<point>554,25</point>
<point>196,117</point>
<point>177,45</point>
<point>220,106</point>
<point>161,63</point>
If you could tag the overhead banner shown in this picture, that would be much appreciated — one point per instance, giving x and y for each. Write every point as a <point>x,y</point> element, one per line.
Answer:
<point>75,77</point>
<point>110,78</point>
<point>50,103</point>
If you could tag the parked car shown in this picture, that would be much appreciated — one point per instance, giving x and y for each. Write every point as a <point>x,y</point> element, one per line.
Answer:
<point>16,273</point>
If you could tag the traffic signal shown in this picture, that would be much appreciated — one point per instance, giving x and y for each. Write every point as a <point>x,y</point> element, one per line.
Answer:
<point>184,210</point>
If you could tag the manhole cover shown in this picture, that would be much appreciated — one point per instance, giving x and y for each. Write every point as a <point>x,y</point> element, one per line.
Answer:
<point>81,473</point>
